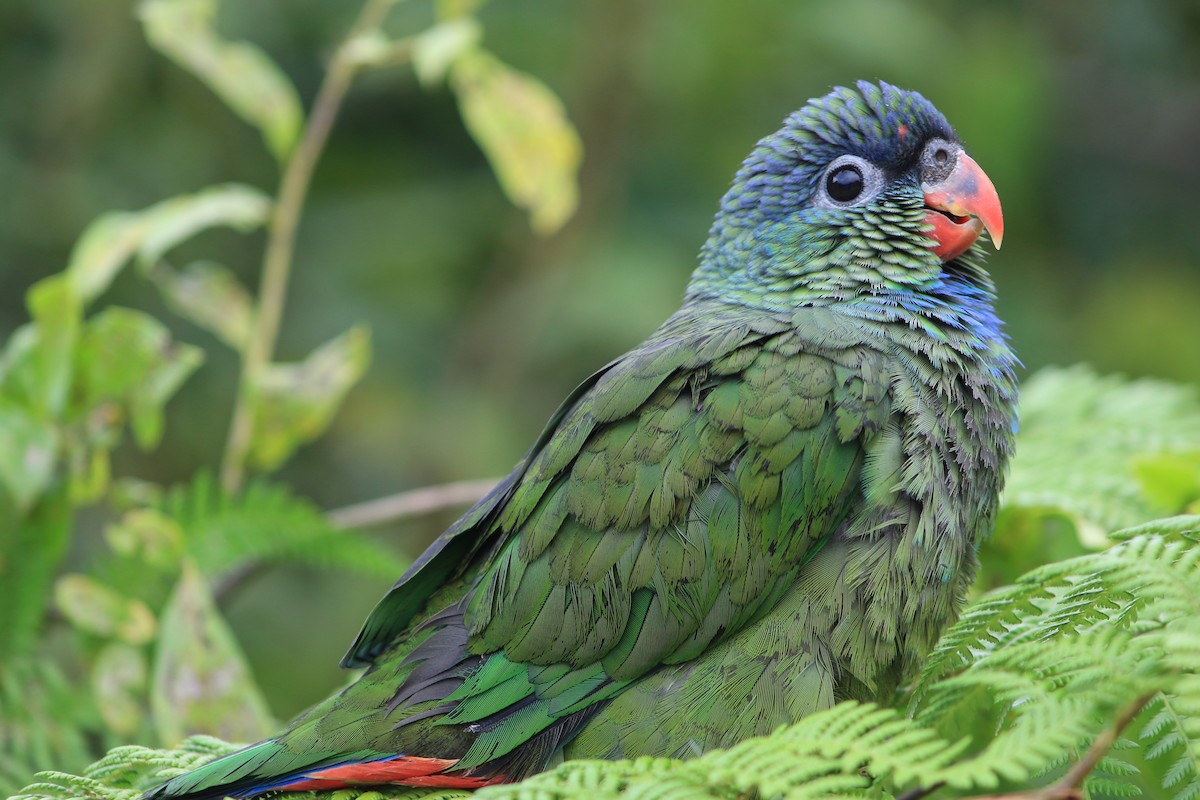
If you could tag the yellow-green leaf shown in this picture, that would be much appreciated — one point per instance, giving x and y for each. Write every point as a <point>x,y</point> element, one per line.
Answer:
<point>113,239</point>
<point>523,130</point>
<point>437,48</point>
<point>294,403</point>
<point>1170,481</point>
<point>89,468</point>
<point>209,295</point>
<point>57,312</point>
<point>118,684</point>
<point>128,358</point>
<point>93,607</point>
<point>231,205</point>
<point>241,74</point>
<point>148,535</point>
<point>201,683</point>
<point>29,450</point>
<point>105,246</point>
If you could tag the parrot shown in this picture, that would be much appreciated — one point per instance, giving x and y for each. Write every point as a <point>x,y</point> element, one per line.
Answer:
<point>771,505</point>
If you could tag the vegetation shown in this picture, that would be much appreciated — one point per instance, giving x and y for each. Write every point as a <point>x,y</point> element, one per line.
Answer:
<point>1076,675</point>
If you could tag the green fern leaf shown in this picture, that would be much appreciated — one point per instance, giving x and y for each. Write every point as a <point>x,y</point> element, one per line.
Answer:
<point>1084,437</point>
<point>266,522</point>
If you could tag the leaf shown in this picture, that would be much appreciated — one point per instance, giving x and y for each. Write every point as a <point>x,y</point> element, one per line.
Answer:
<point>201,683</point>
<point>118,683</point>
<point>57,312</point>
<point>147,535</point>
<point>437,48</point>
<point>294,403</point>
<point>209,295</point>
<point>523,130</point>
<point>1170,481</point>
<point>18,377</point>
<point>241,74</point>
<point>89,467</point>
<point>265,522</point>
<point>1082,437</point>
<point>105,246</point>
<point>29,451</point>
<point>33,543</point>
<point>113,239</point>
<point>127,357</point>
<point>231,205</point>
<point>46,721</point>
<point>101,610</point>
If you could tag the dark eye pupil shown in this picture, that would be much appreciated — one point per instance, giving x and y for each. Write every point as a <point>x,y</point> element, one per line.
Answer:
<point>941,156</point>
<point>844,183</point>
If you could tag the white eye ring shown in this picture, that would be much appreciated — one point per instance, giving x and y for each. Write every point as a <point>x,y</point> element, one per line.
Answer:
<point>848,181</point>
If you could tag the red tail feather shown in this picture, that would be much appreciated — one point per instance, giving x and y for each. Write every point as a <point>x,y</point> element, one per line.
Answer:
<point>403,770</point>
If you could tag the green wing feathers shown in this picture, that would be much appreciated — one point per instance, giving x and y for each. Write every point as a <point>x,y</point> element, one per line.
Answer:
<point>676,500</point>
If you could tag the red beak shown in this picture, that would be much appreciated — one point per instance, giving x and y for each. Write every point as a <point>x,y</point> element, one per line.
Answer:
<point>960,207</point>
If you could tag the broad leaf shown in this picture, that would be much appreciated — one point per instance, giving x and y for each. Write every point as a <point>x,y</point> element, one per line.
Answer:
<point>57,311</point>
<point>231,205</point>
<point>241,74</point>
<point>119,679</point>
<point>209,295</point>
<point>294,403</point>
<point>127,358</point>
<point>147,535</point>
<point>522,128</point>
<point>96,608</point>
<point>113,239</point>
<point>435,50</point>
<point>201,683</point>
<point>105,246</point>
<point>89,465</point>
<point>29,451</point>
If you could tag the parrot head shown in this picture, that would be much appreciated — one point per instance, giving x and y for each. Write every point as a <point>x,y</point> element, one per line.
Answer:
<point>864,190</point>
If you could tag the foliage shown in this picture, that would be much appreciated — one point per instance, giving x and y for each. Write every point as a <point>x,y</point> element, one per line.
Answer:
<point>1031,672</point>
<point>124,640</point>
<point>96,634</point>
<point>1105,451</point>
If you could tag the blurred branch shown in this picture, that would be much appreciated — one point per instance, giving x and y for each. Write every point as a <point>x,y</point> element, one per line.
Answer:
<point>277,261</point>
<point>403,505</point>
<point>414,503</point>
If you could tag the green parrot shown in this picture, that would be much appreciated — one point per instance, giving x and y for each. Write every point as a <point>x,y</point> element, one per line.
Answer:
<point>770,505</point>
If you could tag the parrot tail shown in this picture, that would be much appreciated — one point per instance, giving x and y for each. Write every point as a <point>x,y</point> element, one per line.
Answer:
<point>248,773</point>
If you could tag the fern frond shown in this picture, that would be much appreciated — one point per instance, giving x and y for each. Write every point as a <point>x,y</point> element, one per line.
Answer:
<point>1015,693</point>
<point>266,522</point>
<point>45,721</point>
<point>1083,437</point>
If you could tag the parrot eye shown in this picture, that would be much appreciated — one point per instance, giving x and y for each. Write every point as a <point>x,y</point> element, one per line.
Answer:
<point>845,183</point>
<point>849,180</point>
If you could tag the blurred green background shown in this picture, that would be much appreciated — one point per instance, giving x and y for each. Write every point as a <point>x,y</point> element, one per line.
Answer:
<point>1085,113</point>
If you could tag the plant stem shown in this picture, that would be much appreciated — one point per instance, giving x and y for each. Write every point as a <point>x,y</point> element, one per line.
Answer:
<point>412,503</point>
<point>1078,773</point>
<point>281,241</point>
<point>1071,785</point>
